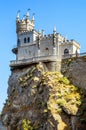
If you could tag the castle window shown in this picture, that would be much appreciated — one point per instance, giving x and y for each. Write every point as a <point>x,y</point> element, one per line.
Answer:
<point>28,39</point>
<point>46,49</point>
<point>25,40</point>
<point>66,51</point>
<point>18,42</point>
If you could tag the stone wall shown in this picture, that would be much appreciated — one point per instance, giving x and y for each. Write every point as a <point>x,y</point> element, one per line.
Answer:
<point>53,66</point>
<point>29,50</point>
<point>75,70</point>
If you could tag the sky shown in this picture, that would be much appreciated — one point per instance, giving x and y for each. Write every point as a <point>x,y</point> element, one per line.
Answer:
<point>69,17</point>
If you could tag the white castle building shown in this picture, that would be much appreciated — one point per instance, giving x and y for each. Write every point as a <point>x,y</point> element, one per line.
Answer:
<point>33,46</point>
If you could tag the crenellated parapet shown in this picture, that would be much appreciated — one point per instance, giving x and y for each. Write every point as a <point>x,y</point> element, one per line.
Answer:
<point>24,24</point>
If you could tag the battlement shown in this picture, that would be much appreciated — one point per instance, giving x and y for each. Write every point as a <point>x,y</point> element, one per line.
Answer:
<point>50,36</point>
<point>45,37</point>
<point>24,24</point>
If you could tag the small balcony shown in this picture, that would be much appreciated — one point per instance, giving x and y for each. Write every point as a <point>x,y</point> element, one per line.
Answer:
<point>15,50</point>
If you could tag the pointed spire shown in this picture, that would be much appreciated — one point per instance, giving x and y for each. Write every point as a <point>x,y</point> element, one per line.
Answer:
<point>54,36</point>
<point>39,39</point>
<point>33,17</point>
<point>54,30</point>
<point>27,14</point>
<point>42,33</point>
<point>18,15</point>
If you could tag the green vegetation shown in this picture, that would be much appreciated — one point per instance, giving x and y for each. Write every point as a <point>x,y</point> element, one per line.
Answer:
<point>50,96</point>
<point>64,95</point>
<point>27,125</point>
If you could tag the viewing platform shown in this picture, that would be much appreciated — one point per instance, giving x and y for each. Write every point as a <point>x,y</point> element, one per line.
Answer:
<point>49,58</point>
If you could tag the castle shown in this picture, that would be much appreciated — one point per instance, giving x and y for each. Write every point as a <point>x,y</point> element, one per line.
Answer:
<point>33,46</point>
<point>33,98</point>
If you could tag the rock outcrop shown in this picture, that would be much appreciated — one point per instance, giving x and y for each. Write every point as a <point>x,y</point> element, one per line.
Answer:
<point>2,127</point>
<point>75,69</point>
<point>42,100</point>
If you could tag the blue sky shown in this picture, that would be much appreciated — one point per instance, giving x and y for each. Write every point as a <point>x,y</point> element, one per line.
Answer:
<point>69,17</point>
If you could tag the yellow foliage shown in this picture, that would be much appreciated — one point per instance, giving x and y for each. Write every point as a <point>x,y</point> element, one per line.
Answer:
<point>36,79</point>
<point>26,124</point>
<point>51,123</point>
<point>63,126</point>
<point>45,110</point>
<point>62,93</point>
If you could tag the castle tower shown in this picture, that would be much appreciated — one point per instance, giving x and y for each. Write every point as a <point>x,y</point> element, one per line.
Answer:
<point>26,34</point>
<point>25,24</point>
<point>25,27</point>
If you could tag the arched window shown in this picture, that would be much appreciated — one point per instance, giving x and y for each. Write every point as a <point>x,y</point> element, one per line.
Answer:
<point>18,42</point>
<point>25,40</point>
<point>28,39</point>
<point>66,51</point>
<point>47,51</point>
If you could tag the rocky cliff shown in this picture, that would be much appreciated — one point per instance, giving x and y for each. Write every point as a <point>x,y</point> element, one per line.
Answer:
<point>75,70</point>
<point>1,125</point>
<point>42,100</point>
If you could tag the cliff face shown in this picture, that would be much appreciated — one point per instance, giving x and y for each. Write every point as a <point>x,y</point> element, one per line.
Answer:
<point>1,125</point>
<point>42,100</point>
<point>75,70</point>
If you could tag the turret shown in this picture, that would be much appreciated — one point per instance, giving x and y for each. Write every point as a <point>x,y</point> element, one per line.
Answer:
<point>33,18</point>
<point>18,16</point>
<point>25,24</point>
<point>27,14</point>
<point>39,39</point>
<point>54,30</point>
<point>54,36</point>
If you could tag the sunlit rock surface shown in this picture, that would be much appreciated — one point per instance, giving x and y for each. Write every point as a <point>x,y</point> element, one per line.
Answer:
<point>42,100</point>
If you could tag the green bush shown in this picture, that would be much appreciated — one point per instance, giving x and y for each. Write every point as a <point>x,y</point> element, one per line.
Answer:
<point>64,80</point>
<point>27,125</point>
